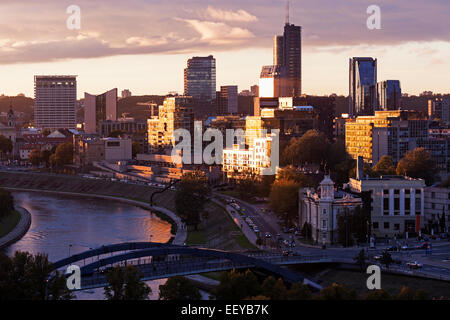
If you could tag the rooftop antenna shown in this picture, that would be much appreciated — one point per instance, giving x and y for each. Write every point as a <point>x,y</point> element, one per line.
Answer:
<point>287,12</point>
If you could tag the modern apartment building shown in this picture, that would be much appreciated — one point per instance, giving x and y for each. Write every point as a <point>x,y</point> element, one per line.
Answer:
<point>55,99</point>
<point>238,162</point>
<point>200,78</point>
<point>175,113</point>
<point>99,108</point>
<point>362,86</point>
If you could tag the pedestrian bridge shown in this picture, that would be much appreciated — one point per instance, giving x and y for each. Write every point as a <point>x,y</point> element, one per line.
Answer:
<point>157,261</point>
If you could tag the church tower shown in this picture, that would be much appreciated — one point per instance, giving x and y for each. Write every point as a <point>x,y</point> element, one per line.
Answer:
<point>11,117</point>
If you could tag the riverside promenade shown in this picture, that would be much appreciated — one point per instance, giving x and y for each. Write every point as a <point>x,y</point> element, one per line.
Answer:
<point>19,230</point>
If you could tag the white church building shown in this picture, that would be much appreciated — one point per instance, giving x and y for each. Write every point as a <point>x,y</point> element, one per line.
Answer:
<point>321,208</point>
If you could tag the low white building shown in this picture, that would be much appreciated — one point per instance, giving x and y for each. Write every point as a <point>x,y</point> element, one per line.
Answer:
<point>237,161</point>
<point>321,209</point>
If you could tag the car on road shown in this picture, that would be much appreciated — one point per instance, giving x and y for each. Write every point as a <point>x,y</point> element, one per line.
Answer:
<point>288,253</point>
<point>422,245</point>
<point>392,248</point>
<point>414,265</point>
<point>405,247</point>
<point>285,242</point>
<point>255,228</point>
<point>268,235</point>
<point>377,257</point>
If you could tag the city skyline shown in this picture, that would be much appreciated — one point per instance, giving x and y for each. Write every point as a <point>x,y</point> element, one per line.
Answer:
<point>150,58</point>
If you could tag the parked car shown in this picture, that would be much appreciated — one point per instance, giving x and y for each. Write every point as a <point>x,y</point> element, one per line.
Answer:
<point>422,245</point>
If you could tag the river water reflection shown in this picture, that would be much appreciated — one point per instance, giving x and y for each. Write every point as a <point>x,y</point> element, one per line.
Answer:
<point>63,224</point>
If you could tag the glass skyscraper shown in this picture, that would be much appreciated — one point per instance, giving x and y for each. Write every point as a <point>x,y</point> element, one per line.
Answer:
<point>362,86</point>
<point>200,78</point>
<point>389,95</point>
<point>287,55</point>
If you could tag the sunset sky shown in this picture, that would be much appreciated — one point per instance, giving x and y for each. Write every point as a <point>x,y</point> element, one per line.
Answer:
<point>143,45</point>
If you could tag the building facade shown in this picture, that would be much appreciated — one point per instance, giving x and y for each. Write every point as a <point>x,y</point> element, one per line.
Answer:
<point>397,203</point>
<point>362,86</point>
<point>99,108</point>
<point>389,95</point>
<point>227,100</point>
<point>437,209</point>
<point>175,113</point>
<point>55,99</point>
<point>439,108</point>
<point>321,210</point>
<point>200,78</point>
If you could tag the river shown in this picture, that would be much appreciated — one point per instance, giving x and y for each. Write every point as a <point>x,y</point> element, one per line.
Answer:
<point>64,224</point>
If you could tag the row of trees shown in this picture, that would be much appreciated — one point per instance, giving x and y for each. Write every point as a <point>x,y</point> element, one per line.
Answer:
<point>314,148</point>
<point>245,286</point>
<point>57,156</point>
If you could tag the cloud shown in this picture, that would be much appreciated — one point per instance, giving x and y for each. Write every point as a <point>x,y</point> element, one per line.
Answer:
<point>218,32</point>
<point>115,27</point>
<point>229,15</point>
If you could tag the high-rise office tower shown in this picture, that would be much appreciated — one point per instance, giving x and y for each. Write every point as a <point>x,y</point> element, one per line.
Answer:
<point>99,108</point>
<point>362,86</point>
<point>200,78</point>
<point>55,99</point>
<point>227,100</point>
<point>389,95</point>
<point>439,108</point>
<point>287,54</point>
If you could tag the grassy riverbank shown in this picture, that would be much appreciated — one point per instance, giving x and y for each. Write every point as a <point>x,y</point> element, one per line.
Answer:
<point>217,231</point>
<point>8,223</point>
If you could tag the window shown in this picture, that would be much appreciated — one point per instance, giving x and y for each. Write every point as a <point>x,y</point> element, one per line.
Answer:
<point>407,191</point>
<point>433,195</point>
<point>385,191</point>
<point>375,225</point>
<point>396,191</point>
<point>324,224</point>
<point>324,211</point>
<point>386,225</point>
<point>397,226</point>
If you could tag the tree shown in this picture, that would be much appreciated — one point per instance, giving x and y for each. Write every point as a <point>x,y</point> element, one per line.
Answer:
<point>274,289</point>
<point>6,203</point>
<point>191,196</point>
<point>283,199</point>
<point>385,166</point>
<point>337,292</point>
<point>312,147</point>
<point>135,148</point>
<point>380,294</point>
<point>386,259</point>
<point>64,154</point>
<point>360,259</point>
<point>45,156</point>
<point>46,132</point>
<point>417,164</point>
<point>35,157</point>
<point>299,291</point>
<point>178,288</point>
<point>5,145</point>
<point>27,277</point>
<point>124,283</point>
<point>237,286</point>
<point>405,294</point>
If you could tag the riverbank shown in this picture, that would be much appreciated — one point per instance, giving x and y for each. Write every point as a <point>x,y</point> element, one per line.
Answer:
<point>19,230</point>
<point>218,231</point>
<point>178,238</point>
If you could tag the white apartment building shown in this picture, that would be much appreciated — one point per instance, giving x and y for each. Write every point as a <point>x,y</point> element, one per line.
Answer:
<point>237,161</point>
<point>55,99</point>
